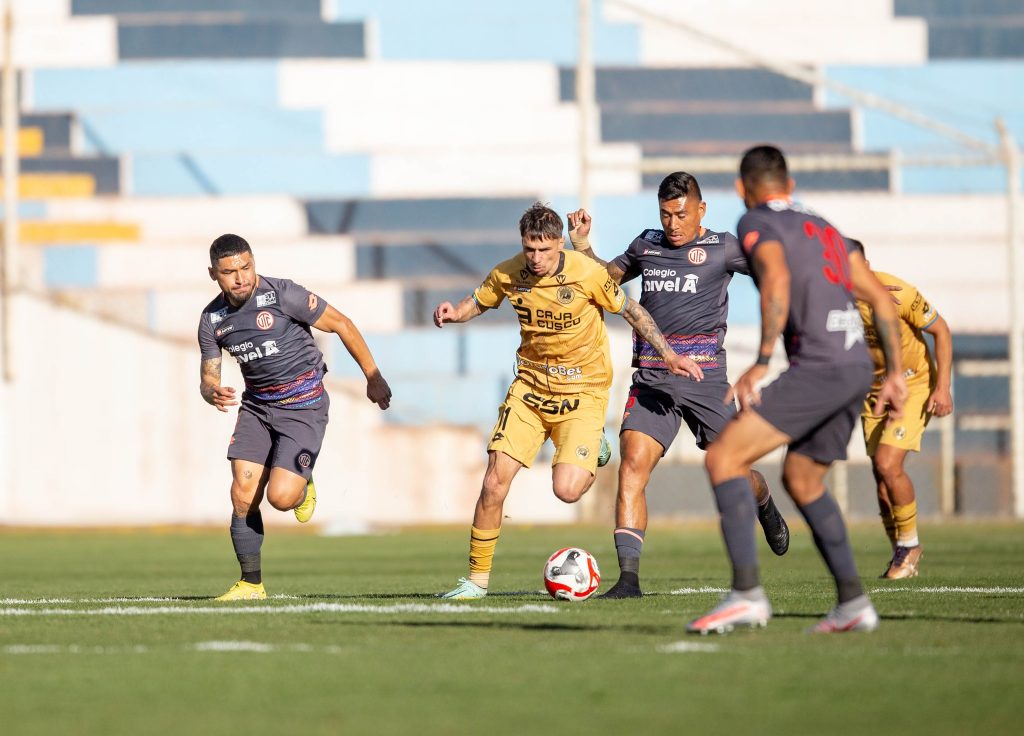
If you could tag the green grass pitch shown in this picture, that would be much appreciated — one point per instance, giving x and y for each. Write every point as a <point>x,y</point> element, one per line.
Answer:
<point>114,633</point>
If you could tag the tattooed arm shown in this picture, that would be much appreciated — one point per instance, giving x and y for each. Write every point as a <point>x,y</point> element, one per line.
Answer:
<point>209,385</point>
<point>887,325</point>
<point>641,321</point>
<point>769,264</point>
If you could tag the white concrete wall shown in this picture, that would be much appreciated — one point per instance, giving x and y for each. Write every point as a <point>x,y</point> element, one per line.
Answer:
<point>105,426</point>
<point>46,35</point>
<point>801,31</point>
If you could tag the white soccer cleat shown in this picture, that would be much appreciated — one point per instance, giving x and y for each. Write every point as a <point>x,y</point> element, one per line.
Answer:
<point>749,608</point>
<point>855,615</point>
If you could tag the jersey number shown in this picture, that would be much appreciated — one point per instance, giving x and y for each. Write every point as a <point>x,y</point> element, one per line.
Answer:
<point>833,250</point>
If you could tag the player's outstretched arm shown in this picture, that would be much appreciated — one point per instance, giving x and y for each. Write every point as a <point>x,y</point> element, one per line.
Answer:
<point>642,321</point>
<point>769,263</point>
<point>464,311</point>
<point>940,403</point>
<point>377,389</point>
<point>209,385</point>
<point>868,288</point>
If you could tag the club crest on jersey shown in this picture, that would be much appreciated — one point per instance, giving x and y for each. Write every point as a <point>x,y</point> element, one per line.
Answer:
<point>266,300</point>
<point>697,256</point>
<point>565,294</point>
<point>264,320</point>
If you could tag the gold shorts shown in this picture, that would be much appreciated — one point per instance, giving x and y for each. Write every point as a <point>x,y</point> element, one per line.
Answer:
<point>528,416</point>
<point>904,433</point>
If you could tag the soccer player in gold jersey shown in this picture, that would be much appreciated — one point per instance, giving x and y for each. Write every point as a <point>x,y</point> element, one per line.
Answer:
<point>562,378</point>
<point>888,442</point>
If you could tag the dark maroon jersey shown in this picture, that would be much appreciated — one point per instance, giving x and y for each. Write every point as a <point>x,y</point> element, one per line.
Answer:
<point>270,338</point>
<point>686,290</point>
<point>823,325</point>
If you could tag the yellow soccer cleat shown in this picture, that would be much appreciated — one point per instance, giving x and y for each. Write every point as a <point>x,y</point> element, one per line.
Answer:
<point>304,511</point>
<point>243,591</point>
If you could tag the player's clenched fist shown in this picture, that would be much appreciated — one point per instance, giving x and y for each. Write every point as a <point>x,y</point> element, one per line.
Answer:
<point>445,312</point>
<point>579,224</point>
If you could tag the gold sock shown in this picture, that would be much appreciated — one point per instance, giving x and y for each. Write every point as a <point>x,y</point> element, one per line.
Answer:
<point>889,522</point>
<point>481,554</point>
<point>906,524</point>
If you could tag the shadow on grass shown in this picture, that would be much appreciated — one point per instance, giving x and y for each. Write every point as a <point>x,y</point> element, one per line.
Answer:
<point>913,617</point>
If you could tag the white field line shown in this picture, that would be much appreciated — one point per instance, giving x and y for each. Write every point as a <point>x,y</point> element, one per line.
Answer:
<point>125,599</point>
<point>203,646</point>
<point>947,589</point>
<point>439,608</point>
<point>694,591</point>
<point>686,647</point>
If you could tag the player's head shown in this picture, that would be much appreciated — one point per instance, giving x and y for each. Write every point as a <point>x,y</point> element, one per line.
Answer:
<point>233,267</point>
<point>541,230</point>
<point>681,207</point>
<point>855,246</point>
<point>763,175</point>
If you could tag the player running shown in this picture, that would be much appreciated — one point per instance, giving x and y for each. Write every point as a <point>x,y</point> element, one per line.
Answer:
<point>685,270</point>
<point>808,286</point>
<point>563,373</point>
<point>264,323</point>
<point>887,443</point>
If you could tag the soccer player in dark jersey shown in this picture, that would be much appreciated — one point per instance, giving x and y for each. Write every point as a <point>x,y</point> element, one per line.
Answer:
<point>809,285</point>
<point>563,371</point>
<point>685,270</point>
<point>928,394</point>
<point>264,323</point>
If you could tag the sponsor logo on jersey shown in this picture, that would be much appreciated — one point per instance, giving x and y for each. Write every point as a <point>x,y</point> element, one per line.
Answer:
<point>312,302</point>
<point>709,240</point>
<point>218,316</point>
<point>654,236</point>
<point>266,300</point>
<point>264,320</point>
<point>523,289</point>
<point>247,351</point>
<point>565,294</point>
<point>697,256</point>
<point>665,279</point>
<point>651,252</point>
<point>551,406</point>
<point>225,330</point>
<point>846,320</point>
<point>560,278</point>
<point>524,273</point>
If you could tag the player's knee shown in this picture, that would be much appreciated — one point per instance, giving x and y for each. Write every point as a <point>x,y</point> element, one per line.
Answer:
<point>888,469</point>
<point>284,498</point>
<point>571,490</point>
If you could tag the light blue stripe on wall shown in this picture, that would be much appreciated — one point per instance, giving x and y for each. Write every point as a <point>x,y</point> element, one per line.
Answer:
<point>465,29</point>
<point>301,175</point>
<point>70,266</point>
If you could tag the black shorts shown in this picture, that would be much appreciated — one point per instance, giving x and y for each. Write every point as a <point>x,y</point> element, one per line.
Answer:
<point>280,438</point>
<point>659,401</point>
<point>817,406</point>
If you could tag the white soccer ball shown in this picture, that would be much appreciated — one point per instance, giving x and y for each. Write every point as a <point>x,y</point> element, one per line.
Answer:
<point>571,574</point>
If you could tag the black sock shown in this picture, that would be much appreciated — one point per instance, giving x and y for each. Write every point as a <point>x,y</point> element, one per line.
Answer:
<point>629,545</point>
<point>737,511</point>
<point>829,530</point>
<point>247,539</point>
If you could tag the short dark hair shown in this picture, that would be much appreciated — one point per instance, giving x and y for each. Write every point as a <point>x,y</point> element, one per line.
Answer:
<point>764,165</point>
<point>540,222</point>
<point>227,245</point>
<point>855,245</point>
<point>677,185</point>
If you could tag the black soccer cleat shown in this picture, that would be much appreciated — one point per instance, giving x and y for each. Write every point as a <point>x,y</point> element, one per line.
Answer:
<point>776,531</point>
<point>623,589</point>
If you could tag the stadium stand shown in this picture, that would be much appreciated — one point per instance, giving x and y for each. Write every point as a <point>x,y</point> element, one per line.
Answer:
<point>387,167</point>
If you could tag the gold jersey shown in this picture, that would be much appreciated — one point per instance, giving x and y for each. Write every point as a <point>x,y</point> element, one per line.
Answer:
<point>915,314</point>
<point>564,345</point>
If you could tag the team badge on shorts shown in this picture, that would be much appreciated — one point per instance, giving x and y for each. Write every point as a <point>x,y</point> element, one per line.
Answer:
<point>304,459</point>
<point>264,320</point>
<point>900,432</point>
<point>582,452</point>
<point>565,294</point>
